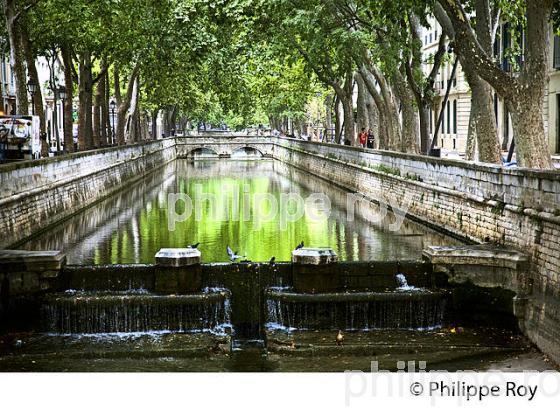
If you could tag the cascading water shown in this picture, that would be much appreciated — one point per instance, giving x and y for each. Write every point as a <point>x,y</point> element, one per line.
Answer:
<point>403,282</point>
<point>130,312</point>
<point>419,310</point>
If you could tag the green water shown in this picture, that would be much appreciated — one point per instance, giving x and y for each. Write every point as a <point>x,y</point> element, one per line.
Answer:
<point>131,226</point>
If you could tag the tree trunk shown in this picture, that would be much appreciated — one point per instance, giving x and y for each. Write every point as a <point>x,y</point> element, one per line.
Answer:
<point>16,55</point>
<point>155,114</point>
<point>347,108</point>
<point>410,120</point>
<point>470,148</point>
<point>337,122</point>
<point>524,94</point>
<point>482,114</point>
<point>327,125</point>
<point>85,127</point>
<point>527,120</point>
<point>388,115</point>
<point>124,104</point>
<point>106,114</point>
<point>68,103</point>
<point>99,96</point>
<point>362,120</point>
<point>424,118</point>
<point>99,136</point>
<point>374,120</point>
<point>132,132</point>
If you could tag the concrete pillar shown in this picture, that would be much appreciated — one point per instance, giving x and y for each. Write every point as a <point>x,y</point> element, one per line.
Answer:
<point>178,271</point>
<point>316,270</point>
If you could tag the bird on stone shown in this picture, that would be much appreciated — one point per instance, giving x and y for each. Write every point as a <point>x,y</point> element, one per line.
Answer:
<point>300,246</point>
<point>339,338</point>
<point>233,256</point>
<point>194,246</point>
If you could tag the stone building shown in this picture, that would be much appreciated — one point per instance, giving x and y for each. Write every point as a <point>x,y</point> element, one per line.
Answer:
<point>453,132</point>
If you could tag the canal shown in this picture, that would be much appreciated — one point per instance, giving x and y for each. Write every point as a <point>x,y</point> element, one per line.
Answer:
<point>106,314</point>
<point>261,208</point>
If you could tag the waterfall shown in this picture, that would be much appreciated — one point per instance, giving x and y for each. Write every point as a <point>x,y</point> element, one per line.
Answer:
<point>421,310</point>
<point>86,312</point>
<point>403,283</point>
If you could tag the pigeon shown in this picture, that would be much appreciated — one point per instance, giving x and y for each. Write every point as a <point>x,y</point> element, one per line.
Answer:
<point>339,338</point>
<point>194,246</point>
<point>300,246</point>
<point>233,256</point>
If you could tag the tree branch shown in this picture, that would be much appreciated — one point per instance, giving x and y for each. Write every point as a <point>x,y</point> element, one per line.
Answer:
<point>467,45</point>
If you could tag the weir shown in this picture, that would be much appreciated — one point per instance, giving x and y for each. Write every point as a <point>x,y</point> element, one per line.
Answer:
<point>86,312</point>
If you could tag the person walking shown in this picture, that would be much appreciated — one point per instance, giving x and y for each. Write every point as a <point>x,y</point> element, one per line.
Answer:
<point>370,139</point>
<point>363,138</point>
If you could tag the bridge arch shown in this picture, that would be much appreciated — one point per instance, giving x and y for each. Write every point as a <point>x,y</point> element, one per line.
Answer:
<point>246,151</point>
<point>202,152</point>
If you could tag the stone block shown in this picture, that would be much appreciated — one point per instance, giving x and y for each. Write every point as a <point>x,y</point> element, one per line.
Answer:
<point>178,271</point>
<point>316,270</point>
<point>314,256</point>
<point>31,261</point>
<point>177,257</point>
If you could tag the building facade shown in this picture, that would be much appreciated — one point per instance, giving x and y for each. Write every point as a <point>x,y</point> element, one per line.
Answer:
<point>453,132</point>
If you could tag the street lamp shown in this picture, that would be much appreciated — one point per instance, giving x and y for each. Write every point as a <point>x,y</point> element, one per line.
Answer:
<point>32,88</point>
<point>113,105</point>
<point>62,93</point>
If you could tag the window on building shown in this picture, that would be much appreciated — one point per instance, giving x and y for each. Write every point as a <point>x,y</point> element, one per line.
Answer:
<point>430,37</point>
<point>431,121</point>
<point>520,59</point>
<point>449,117</point>
<point>558,123</point>
<point>455,117</point>
<point>496,106</point>
<point>442,114</point>
<point>506,44</point>
<point>4,74</point>
<point>556,56</point>
<point>454,143</point>
<point>505,144</point>
<point>497,45</point>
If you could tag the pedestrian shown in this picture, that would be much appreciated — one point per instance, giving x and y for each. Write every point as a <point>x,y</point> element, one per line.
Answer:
<point>371,138</point>
<point>363,137</point>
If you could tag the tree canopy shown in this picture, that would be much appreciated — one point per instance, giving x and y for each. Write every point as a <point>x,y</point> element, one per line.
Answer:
<point>246,62</point>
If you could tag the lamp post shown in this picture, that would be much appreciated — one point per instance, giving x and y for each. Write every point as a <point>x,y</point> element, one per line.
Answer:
<point>62,95</point>
<point>32,89</point>
<point>113,105</point>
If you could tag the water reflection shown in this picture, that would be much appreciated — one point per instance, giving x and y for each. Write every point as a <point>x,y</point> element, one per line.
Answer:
<point>131,226</point>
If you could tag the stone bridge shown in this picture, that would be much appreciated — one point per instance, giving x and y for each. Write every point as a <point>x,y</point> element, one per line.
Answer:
<point>224,146</point>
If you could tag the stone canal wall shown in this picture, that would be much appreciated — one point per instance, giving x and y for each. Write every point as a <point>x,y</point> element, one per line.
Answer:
<point>518,208</point>
<point>37,194</point>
